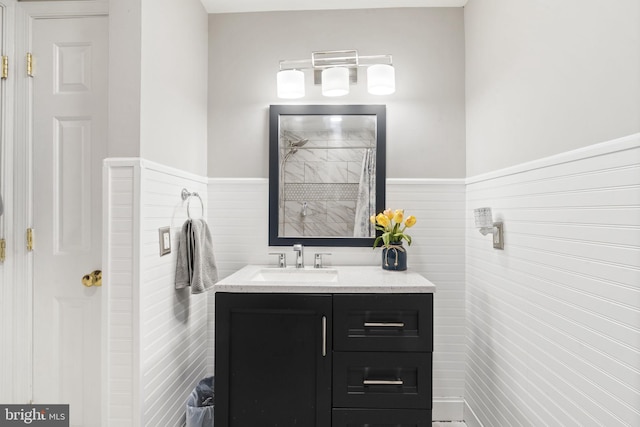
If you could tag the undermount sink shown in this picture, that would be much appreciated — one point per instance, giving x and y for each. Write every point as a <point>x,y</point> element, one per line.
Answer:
<point>296,275</point>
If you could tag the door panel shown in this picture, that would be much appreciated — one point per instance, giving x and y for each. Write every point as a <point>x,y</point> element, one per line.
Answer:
<point>71,163</point>
<point>273,360</point>
<point>69,128</point>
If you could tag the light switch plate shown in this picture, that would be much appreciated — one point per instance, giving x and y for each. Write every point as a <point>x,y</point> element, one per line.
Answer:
<point>498,235</point>
<point>164,234</point>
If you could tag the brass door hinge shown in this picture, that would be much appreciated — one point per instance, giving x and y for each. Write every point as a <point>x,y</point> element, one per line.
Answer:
<point>29,239</point>
<point>3,250</point>
<point>29,64</point>
<point>5,67</point>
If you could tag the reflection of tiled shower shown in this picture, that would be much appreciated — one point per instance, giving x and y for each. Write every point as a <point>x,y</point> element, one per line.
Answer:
<point>321,183</point>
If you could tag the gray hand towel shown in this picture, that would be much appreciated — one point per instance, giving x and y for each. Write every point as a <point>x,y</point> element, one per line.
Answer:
<point>196,266</point>
<point>183,262</point>
<point>205,272</point>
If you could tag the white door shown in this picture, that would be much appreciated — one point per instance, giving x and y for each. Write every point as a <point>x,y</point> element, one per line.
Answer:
<point>69,142</point>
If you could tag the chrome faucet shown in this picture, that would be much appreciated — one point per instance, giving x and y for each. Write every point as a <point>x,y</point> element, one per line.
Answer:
<point>318,259</point>
<point>299,250</point>
<point>282,259</point>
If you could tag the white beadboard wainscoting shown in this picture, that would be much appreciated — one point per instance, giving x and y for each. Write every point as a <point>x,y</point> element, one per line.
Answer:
<point>156,338</point>
<point>552,332</point>
<point>553,321</point>
<point>239,213</point>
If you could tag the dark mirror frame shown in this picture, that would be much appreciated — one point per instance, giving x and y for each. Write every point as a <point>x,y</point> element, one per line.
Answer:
<point>275,112</point>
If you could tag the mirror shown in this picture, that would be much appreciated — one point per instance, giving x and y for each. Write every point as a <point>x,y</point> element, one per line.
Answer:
<point>326,173</point>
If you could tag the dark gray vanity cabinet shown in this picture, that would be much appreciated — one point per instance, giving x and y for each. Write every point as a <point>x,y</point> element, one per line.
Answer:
<point>382,360</point>
<point>273,360</point>
<point>341,360</point>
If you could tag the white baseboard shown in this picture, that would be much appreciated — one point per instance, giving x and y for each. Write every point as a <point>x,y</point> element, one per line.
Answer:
<point>448,409</point>
<point>470,418</point>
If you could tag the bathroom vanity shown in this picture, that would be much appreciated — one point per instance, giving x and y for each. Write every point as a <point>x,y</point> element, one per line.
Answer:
<point>343,346</point>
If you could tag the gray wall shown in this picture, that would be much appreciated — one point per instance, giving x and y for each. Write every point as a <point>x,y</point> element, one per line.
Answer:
<point>173,119</point>
<point>544,77</point>
<point>425,117</point>
<point>158,82</point>
<point>124,78</point>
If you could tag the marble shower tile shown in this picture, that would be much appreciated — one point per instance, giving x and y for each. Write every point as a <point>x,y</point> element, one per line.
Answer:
<point>345,155</point>
<point>305,154</point>
<point>325,172</point>
<point>330,229</point>
<point>292,213</point>
<point>354,171</point>
<point>294,172</point>
<point>361,135</point>
<point>341,211</point>
<point>316,211</point>
<point>293,230</point>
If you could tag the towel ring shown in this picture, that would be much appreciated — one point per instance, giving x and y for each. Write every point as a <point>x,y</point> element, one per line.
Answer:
<point>186,195</point>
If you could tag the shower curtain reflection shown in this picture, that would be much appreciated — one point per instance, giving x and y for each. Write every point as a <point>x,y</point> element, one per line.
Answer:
<point>366,201</point>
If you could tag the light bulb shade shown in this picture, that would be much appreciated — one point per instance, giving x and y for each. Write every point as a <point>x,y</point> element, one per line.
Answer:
<point>335,81</point>
<point>290,84</point>
<point>483,217</point>
<point>381,79</point>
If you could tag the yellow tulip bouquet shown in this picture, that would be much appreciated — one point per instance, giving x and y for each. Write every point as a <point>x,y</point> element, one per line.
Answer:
<point>392,226</point>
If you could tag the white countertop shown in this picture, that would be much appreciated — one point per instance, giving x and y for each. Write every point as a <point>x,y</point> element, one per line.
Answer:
<point>335,279</point>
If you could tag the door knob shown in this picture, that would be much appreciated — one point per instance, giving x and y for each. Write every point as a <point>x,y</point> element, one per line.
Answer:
<point>92,279</point>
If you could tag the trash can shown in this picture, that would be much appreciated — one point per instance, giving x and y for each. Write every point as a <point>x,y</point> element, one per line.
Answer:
<point>200,405</point>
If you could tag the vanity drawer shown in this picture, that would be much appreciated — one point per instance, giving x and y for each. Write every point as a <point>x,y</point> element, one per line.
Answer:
<point>382,380</point>
<point>381,418</point>
<point>383,322</point>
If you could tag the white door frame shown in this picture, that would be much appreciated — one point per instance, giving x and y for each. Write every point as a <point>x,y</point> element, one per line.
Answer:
<point>9,293</point>
<point>25,15</point>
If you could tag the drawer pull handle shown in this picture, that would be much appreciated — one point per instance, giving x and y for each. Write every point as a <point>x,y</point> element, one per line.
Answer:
<point>324,336</point>
<point>384,324</point>
<point>382,382</point>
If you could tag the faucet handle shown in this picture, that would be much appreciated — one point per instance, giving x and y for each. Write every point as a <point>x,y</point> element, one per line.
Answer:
<point>282,259</point>
<point>317,263</point>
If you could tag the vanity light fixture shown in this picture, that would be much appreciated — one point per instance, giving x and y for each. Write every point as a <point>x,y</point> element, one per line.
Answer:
<point>290,84</point>
<point>335,81</point>
<point>381,79</point>
<point>484,221</point>
<point>335,70</point>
